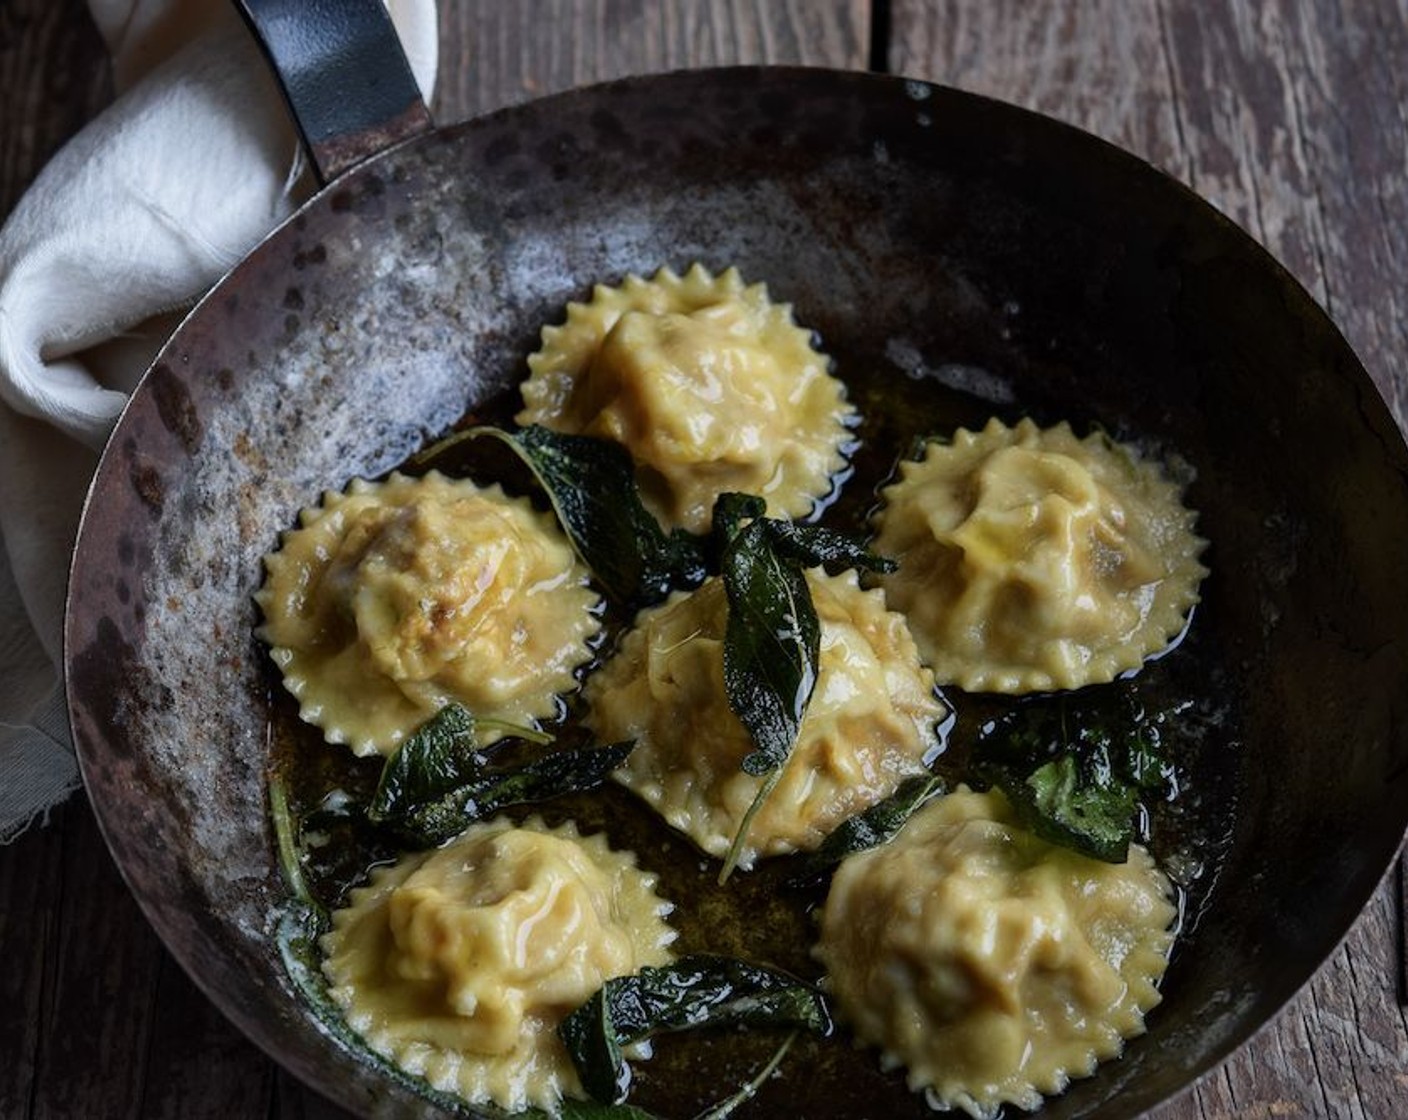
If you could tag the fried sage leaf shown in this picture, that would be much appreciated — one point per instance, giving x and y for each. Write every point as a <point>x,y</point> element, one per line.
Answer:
<point>591,485</point>
<point>771,644</point>
<point>1078,806</point>
<point>815,544</point>
<point>1075,767</point>
<point>695,991</point>
<point>571,771</point>
<point>772,641</point>
<point>442,754</point>
<point>440,780</point>
<point>286,842</point>
<point>871,828</point>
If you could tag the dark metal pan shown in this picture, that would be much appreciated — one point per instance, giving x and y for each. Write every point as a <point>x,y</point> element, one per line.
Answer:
<point>958,257</point>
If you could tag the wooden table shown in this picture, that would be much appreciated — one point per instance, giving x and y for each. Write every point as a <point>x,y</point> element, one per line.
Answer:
<point>1291,115</point>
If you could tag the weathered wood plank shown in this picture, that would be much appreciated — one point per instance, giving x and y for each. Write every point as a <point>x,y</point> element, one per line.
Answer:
<point>96,1023</point>
<point>75,992</point>
<point>1099,65</point>
<point>494,54</point>
<point>196,1057</point>
<point>54,73</point>
<point>29,917</point>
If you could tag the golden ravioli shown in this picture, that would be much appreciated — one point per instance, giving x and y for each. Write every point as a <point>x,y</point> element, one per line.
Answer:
<point>868,727</point>
<point>459,964</point>
<point>393,599</point>
<point>1032,560</point>
<point>990,964</point>
<point>708,384</point>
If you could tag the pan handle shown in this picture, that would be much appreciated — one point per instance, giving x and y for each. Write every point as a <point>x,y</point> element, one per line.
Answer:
<point>344,75</point>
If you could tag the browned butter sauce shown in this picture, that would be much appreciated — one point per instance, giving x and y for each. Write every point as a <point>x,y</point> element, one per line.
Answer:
<point>759,915</point>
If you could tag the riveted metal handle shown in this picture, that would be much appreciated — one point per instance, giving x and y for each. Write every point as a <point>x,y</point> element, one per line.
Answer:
<point>345,76</point>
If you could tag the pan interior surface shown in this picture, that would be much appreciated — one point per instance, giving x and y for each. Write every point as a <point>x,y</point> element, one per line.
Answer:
<point>959,259</point>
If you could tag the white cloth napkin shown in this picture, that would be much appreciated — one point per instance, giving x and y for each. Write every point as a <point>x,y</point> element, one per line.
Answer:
<point>135,218</point>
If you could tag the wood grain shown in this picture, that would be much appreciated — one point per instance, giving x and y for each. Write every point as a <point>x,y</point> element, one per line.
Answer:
<point>75,1006</point>
<point>1291,115</point>
<point>495,54</point>
<point>54,74</point>
<point>31,874</point>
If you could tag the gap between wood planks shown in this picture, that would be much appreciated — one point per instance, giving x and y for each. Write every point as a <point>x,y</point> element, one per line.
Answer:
<point>879,52</point>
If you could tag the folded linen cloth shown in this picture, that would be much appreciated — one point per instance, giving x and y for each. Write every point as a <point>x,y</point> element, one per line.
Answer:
<point>134,219</point>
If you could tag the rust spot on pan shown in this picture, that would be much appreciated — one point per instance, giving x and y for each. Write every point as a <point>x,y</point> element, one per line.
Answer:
<point>146,480</point>
<point>173,405</point>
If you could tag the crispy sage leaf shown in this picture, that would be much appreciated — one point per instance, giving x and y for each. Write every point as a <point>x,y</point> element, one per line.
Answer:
<point>871,828</point>
<point>286,838</point>
<point>771,645</point>
<point>772,642</point>
<point>815,544</point>
<point>442,754</point>
<point>1075,767</point>
<point>1068,805</point>
<point>695,991</point>
<point>591,484</point>
<point>571,771</point>
<point>772,639</point>
<point>439,780</point>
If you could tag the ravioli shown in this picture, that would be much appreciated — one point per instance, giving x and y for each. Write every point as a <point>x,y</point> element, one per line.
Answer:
<point>990,964</point>
<point>395,598</point>
<point>1031,560</point>
<point>708,384</point>
<point>459,964</point>
<point>869,725</point>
